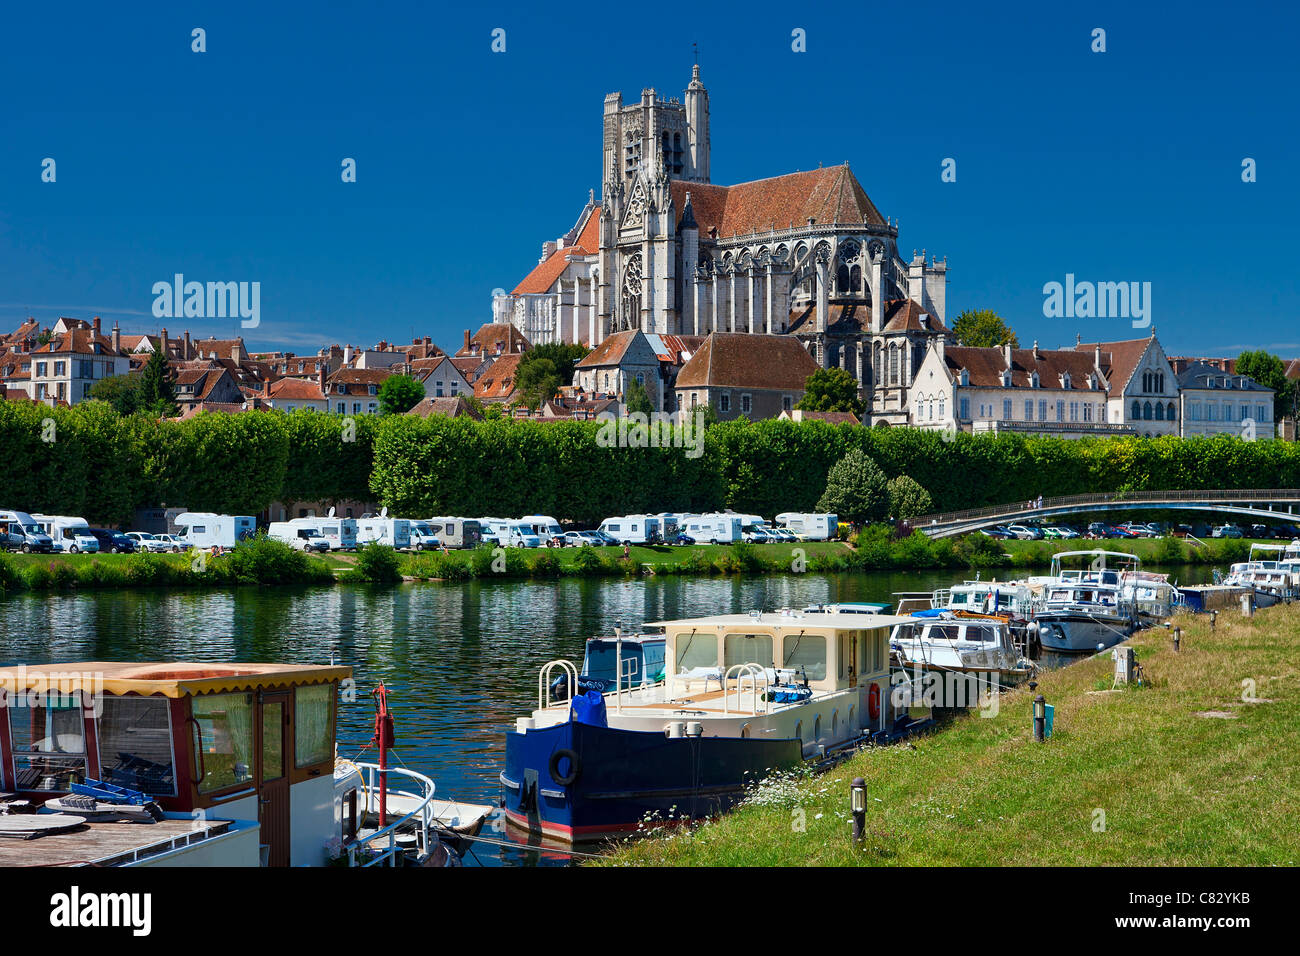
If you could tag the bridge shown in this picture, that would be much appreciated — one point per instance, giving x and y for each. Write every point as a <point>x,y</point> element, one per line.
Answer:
<point>1262,503</point>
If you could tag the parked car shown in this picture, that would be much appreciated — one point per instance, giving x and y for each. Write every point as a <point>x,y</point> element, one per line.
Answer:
<point>1226,531</point>
<point>998,531</point>
<point>682,538</point>
<point>173,542</point>
<point>1137,530</point>
<point>1025,532</point>
<point>144,541</point>
<point>113,542</point>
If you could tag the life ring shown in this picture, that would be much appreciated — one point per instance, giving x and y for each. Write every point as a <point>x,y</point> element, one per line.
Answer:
<point>575,766</point>
<point>873,701</point>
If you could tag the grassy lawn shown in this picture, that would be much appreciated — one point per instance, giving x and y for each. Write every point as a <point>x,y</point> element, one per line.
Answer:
<point>1175,787</point>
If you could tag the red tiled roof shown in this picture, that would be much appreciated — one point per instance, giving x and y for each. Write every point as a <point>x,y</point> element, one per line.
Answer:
<point>546,272</point>
<point>78,341</point>
<point>494,334</point>
<point>296,389</point>
<point>610,351</point>
<point>451,407</point>
<point>1118,359</point>
<point>498,382</point>
<point>824,195</point>
<point>986,365</point>
<point>742,360</point>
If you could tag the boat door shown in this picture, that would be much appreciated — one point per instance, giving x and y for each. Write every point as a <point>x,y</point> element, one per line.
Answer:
<point>273,787</point>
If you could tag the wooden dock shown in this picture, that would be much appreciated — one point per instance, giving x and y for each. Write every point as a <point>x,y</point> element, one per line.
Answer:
<point>107,844</point>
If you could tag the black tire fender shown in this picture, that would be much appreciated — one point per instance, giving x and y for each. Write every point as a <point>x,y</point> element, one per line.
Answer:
<point>575,766</point>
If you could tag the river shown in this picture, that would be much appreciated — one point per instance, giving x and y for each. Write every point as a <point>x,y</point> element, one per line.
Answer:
<point>460,660</point>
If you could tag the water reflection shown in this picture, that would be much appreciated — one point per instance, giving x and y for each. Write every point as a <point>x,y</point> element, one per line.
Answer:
<point>460,660</point>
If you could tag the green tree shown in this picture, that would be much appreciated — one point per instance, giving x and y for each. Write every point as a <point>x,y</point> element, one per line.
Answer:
<point>157,387</point>
<point>122,392</point>
<point>538,381</point>
<point>907,499</point>
<point>399,394</point>
<point>562,358</point>
<point>856,489</point>
<point>983,328</point>
<point>830,390</point>
<point>637,398</point>
<point>1270,371</point>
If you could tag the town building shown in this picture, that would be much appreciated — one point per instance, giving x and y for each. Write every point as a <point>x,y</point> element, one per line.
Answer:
<point>68,366</point>
<point>1213,401</point>
<point>653,361</point>
<point>1061,392</point>
<point>1143,386</point>
<point>755,376</point>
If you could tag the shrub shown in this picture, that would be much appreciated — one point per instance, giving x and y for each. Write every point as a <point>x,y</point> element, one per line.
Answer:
<point>907,499</point>
<point>11,578</point>
<point>378,564</point>
<point>545,565</point>
<point>856,488</point>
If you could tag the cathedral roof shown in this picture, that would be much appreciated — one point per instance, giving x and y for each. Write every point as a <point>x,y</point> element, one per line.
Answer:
<point>544,274</point>
<point>745,360</point>
<point>848,318</point>
<point>824,195</point>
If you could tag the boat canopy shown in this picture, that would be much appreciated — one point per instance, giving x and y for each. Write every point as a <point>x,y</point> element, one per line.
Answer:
<point>166,679</point>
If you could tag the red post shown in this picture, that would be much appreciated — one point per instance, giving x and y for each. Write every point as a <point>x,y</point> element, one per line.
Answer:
<point>383,739</point>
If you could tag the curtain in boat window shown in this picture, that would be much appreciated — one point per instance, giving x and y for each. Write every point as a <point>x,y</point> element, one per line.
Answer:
<point>747,649</point>
<point>225,736</point>
<point>805,653</point>
<point>313,733</point>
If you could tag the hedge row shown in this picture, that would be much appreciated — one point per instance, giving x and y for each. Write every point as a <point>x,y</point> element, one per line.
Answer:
<point>89,461</point>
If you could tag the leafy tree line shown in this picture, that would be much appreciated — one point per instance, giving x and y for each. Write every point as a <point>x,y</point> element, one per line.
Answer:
<point>91,461</point>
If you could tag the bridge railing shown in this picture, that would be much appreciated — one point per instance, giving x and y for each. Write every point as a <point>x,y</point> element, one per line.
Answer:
<point>1291,495</point>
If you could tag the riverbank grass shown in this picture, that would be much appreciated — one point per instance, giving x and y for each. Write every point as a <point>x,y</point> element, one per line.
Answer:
<point>1197,767</point>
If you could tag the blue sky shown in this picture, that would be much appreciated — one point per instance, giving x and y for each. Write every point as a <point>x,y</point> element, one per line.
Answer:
<point>225,166</point>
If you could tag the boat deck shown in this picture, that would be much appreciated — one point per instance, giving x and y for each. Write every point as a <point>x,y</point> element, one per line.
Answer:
<point>106,844</point>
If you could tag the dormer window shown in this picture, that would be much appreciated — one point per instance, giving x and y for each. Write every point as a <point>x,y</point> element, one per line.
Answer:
<point>1006,379</point>
<point>965,376</point>
<point>1033,380</point>
<point>1065,380</point>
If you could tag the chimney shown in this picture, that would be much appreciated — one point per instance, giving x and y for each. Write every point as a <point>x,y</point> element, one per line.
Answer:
<point>321,368</point>
<point>117,338</point>
<point>185,352</point>
<point>938,346</point>
<point>236,353</point>
<point>1096,356</point>
<point>95,325</point>
<point>162,335</point>
<point>1037,354</point>
<point>347,355</point>
<point>1006,354</point>
<point>466,340</point>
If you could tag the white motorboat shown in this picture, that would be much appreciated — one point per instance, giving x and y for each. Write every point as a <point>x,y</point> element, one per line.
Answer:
<point>1272,579</point>
<point>1087,609</point>
<point>960,644</point>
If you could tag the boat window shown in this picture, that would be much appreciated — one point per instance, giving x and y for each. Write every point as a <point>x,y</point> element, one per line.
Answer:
<point>747,649</point>
<point>224,736</point>
<point>805,653</point>
<point>48,742</point>
<point>135,744</point>
<point>696,650</point>
<point>313,724</point>
<point>944,632</point>
<point>978,634</point>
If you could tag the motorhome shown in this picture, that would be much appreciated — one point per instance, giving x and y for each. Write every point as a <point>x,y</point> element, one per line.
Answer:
<point>381,529</point>
<point>341,533</point>
<point>456,532</point>
<point>423,537</point>
<point>70,535</point>
<point>544,526</point>
<point>20,532</point>
<point>810,526</point>
<point>203,529</point>
<point>298,535</point>
<point>714,528</point>
<point>634,529</point>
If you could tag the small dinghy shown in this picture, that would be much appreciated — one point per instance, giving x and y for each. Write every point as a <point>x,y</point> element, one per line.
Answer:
<point>105,811</point>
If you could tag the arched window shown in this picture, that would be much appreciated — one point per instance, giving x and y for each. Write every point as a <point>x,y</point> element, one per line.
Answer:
<point>1137,409</point>
<point>1170,414</point>
<point>877,363</point>
<point>1033,381</point>
<point>1160,411</point>
<point>1146,412</point>
<point>1146,381</point>
<point>893,365</point>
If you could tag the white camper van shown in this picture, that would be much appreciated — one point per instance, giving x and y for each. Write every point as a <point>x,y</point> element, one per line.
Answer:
<point>20,532</point>
<point>423,537</point>
<point>634,529</point>
<point>70,535</point>
<point>810,526</point>
<point>340,533</point>
<point>544,526</point>
<point>509,533</point>
<point>713,528</point>
<point>394,532</point>
<point>203,529</point>
<point>302,537</point>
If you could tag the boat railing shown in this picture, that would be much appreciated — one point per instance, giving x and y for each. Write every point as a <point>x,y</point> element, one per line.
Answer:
<point>374,781</point>
<point>942,597</point>
<point>755,673</point>
<point>544,681</point>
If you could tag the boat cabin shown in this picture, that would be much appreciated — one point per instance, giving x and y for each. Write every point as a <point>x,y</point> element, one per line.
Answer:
<point>248,745</point>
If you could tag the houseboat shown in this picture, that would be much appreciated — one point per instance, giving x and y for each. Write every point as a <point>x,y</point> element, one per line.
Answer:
<point>198,764</point>
<point>742,695</point>
<point>638,657</point>
<point>1086,609</point>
